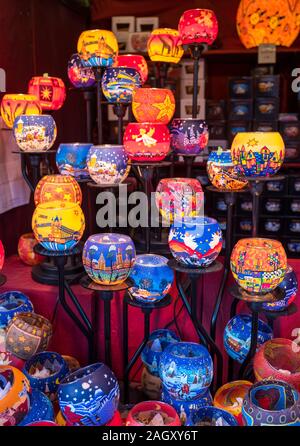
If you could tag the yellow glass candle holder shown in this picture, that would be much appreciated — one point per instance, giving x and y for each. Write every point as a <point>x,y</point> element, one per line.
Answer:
<point>14,105</point>
<point>97,48</point>
<point>164,45</point>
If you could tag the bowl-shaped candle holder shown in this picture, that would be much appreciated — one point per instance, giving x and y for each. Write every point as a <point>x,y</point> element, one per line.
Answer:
<point>58,226</point>
<point>108,164</point>
<point>289,287</point>
<point>257,154</point>
<point>195,242</point>
<point>153,105</point>
<point>97,48</point>
<point>14,396</point>
<point>89,396</point>
<point>222,173</point>
<point>152,278</point>
<point>152,413</point>
<point>71,160</point>
<point>237,336</point>
<point>136,61</point>
<point>271,403</point>
<point>26,252</point>
<point>14,105</point>
<point>57,188</point>
<point>34,132</point>
<point>119,84</point>
<point>186,369</point>
<point>198,26</point>
<point>189,136</point>
<point>50,91</point>
<point>258,264</point>
<point>40,411</point>
<point>108,258</point>
<point>158,342</point>
<point>80,76</point>
<point>164,45</point>
<point>12,303</point>
<point>147,141</point>
<point>212,416</point>
<point>230,398</point>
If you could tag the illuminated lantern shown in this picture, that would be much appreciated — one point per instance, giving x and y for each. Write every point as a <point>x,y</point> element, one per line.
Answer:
<point>222,173</point>
<point>146,141</point>
<point>108,258</point>
<point>136,415</point>
<point>119,84</point>
<point>80,76</point>
<point>237,336</point>
<point>71,160</point>
<point>289,287</point>
<point>35,132</point>
<point>189,136</point>
<point>195,241</point>
<point>135,61</point>
<point>14,401</point>
<point>50,91</point>
<point>57,188</point>
<point>2,255</point>
<point>278,358</point>
<point>58,225</point>
<point>108,164</point>
<point>258,154</point>
<point>14,105</point>
<point>177,198</point>
<point>12,303</point>
<point>230,397</point>
<point>262,21</point>
<point>164,45</point>
<point>258,264</point>
<point>153,105</point>
<point>97,48</point>
<point>198,26</point>
<point>26,245</point>
<point>27,334</point>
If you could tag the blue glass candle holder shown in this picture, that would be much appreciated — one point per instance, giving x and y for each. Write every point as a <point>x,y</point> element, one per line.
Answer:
<point>108,164</point>
<point>71,160</point>
<point>11,303</point>
<point>289,287</point>
<point>212,416</point>
<point>158,342</point>
<point>119,84</point>
<point>41,409</point>
<point>79,75</point>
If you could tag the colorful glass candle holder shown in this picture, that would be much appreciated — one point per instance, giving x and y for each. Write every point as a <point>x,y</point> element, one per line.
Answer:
<point>2,255</point>
<point>271,403</point>
<point>278,358</point>
<point>146,142</point>
<point>212,416</point>
<point>237,336</point>
<point>137,415</point>
<point>258,154</point>
<point>12,303</point>
<point>41,410</point>
<point>57,188</point>
<point>97,48</point>
<point>50,91</point>
<point>80,76</point>
<point>108,164</point>
<point>177,198</point>
<point>198,26</point>
<point>153,105</point>
<point>71,160</point>
<point>195,242</point>
<point>289,287</point>
<point>230,398</point>
<point>26,252</point>
<point>14,105</point>
<point>108,258</point>
<point>135,61</point>
<point>189,136</point>
<point>34,132</point>
<point>157,343</point>
<point>14,396</point>
<point>89,396</point>
<point>119,84</point>
<point>58,226</point>
<point>152,278</point>
<point>164,45</point>
<point>222,173</point>
<point>186,369</point>
<point>258,264</point>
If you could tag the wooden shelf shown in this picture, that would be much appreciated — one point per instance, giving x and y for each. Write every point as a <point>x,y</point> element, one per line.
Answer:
<point>246,52</point>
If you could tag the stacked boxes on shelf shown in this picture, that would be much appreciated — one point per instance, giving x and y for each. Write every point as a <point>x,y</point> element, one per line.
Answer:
<point>289,127</point>
<point>133,32</point>
<point>240,105</point>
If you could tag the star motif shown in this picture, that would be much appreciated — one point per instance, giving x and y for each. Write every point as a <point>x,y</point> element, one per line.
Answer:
<point>165,108</point>
<point>46,93</point>
<point>252,142</point>
<point>59,189</point>
<point>48,195</point>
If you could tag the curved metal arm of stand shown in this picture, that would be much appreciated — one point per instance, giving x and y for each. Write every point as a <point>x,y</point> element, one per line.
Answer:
<point>78,307</point>
<point>25,173</point>
<point>243,373</point>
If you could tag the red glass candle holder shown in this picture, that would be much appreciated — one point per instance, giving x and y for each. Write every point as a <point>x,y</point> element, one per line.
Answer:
<point>2,255</point>
<point>50,91</point>
<point>135,61</point>
<point>135,415</point>
<point>153,105</point>
<point>198,26</point>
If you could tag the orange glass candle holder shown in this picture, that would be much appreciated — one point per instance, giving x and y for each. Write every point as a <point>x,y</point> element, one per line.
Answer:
<point>14,105</point>
<point>50,91</point>
<point>97,48</point>
<point>230,398</point>
<point>135,61</point>
<point>164,45</point>
<point>153,105</point>
<point>26,245</point>
<point>15,402</point>
<point>198,26</point>
<point>62,188</point>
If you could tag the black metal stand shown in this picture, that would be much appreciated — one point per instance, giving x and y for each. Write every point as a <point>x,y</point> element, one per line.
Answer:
<point>88,96</point>
<point>98,76</point>
<point>161,73</point>
<point>147,310</point>
<point>196,51</point>
<point>188,161</point>
<point>120,111</point>
<point>3,279</point>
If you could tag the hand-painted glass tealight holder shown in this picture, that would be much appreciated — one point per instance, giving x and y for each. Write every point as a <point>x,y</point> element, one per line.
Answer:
<point>230,397</point>
<point>57,188</point>
<point>80,76</point>
<point>136,61</point>
<point>97,48</point>
<point>152,278</point>
<point>12,303</point>
<point>198,26</point>
<point>45,371</point>
<point>40,412</point>
<point>289,288</point>
<point>271,403</point>
<point>222,173</point>
<point>177,198</point>
<point>212,416</point>
<point>278,358</point>
<point>147,141</point>
<point>71,160</point>
<point>189,136</point>
<point>34,132</point>
<point>89,396</point>
<point>26,252</point>
<point>14,396</point>
<point>195,241</point>
<point>108,164</point>
<point>14,105</point>
<point>50,91</point>
<point>258,154</point>
<point>164,45</point>
<point>108,258</point>
<point>237,336</point>
<point>58,226</point>
<point>152,413</point>
<point>153,105</point>
<point>186,368</point>
<point>119,84</point>
<point>258,264</point>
